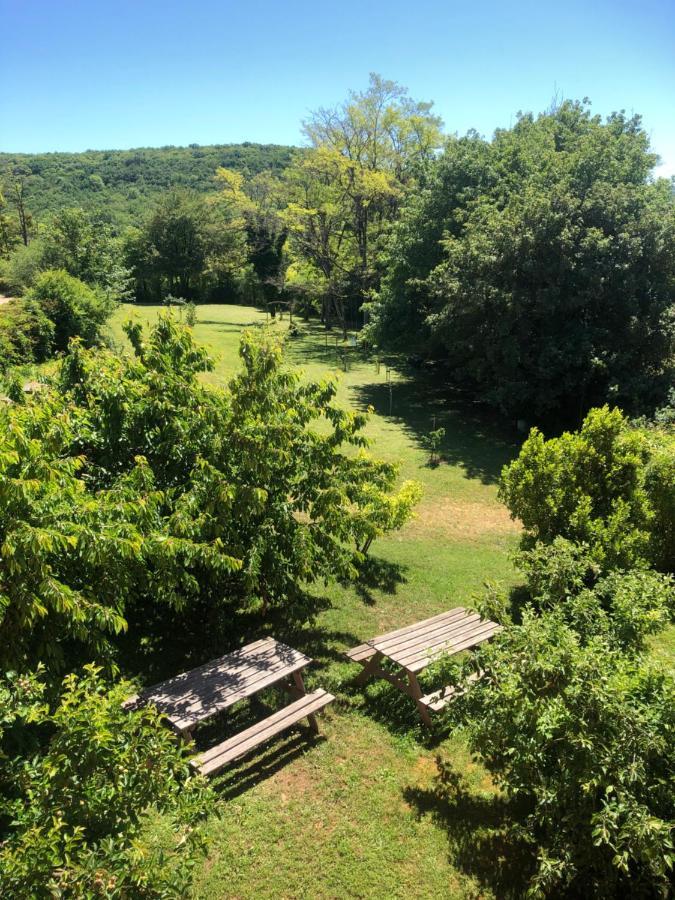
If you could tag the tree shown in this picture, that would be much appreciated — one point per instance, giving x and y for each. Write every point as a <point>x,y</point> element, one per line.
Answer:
<point>176,241</point>
<point>17,192</point>
<point>345,192</point>
<point>75,309</point>
<point>554,288</point>
<point>87,249</point>
<point>190,246</point>
<point>135,497</point>
<point>81,781</point>
<point>8,232</point>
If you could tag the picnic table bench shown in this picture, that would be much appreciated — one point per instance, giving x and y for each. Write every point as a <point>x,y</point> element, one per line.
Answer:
<point>194,696</point>
<point>414,647</point>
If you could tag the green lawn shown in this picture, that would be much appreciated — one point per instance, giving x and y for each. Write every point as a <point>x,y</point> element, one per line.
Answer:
<point>353,813</point>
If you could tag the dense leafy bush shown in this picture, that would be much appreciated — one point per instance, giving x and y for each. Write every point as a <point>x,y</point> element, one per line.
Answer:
<point>77,805</point>
<point>609,486</point>
<point>579,735</point>
<point>75,309</point>
<point>26,333</point>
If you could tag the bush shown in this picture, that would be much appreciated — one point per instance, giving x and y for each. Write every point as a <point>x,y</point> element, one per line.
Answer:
<point>609,486</point>
<point>579,736</point>
<point>557,570</point>
<point>73,308</point>
<point>26,334</point>
<point>78,805</point>
<point>625,607</point>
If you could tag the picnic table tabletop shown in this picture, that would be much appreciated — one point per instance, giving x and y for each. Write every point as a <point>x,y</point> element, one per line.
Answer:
<point>417,645</point>
<point>414,647</point>
<point>194,696</point>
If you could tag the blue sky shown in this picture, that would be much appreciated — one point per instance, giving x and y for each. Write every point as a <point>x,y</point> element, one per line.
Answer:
<point>78,74</point>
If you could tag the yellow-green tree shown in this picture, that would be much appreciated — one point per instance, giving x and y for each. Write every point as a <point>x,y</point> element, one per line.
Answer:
<point>345,192</point>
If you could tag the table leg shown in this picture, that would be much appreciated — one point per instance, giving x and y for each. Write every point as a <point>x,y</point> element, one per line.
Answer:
<point>300,685</point>
<point>371,668</point>
<point>416,694</point>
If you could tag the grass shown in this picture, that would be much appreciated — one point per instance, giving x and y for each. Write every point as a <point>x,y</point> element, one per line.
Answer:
<point>353,813</point>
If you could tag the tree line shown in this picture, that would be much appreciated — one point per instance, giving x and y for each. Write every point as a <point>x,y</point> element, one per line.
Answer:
<point>534,270</point>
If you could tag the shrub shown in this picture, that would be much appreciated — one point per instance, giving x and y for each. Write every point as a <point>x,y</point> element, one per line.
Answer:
<point>74,308</point>
<point>557,570</point>
<point>77,810</point>
<point>579,736</point>
<point>26,334</point>
<point>609,486</point>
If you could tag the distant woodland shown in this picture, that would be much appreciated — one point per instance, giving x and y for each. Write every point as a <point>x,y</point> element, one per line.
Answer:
<point>119,185</point>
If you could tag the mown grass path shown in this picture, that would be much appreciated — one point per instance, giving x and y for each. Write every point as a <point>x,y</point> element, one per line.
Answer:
<point>352,814</point>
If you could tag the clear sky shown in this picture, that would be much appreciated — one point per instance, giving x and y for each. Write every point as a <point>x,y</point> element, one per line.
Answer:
<point>80,74</point>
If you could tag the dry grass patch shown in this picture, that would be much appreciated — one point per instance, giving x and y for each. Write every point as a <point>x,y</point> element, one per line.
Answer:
<point>461,520</point>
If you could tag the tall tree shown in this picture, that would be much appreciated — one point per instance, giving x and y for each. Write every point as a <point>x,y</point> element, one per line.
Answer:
<point>17,193</point>
<point>554,288</point>
<point>345,193</point>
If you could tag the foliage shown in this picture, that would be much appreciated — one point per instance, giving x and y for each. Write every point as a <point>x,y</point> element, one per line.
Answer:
<point>189,246</point>
<point>433,441</point>
<point>133,491</point>
<point>75,808</point>
<point>74,309</point>
<point>609,486</point>
<point>345,192</point>
<point>557,570</point>
<point>26,333</point>
<point>127,182</point>
<point>539,267</point>
<point>579,735</point>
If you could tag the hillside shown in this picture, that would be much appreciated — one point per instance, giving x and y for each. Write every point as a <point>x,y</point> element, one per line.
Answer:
<point>119,183</point>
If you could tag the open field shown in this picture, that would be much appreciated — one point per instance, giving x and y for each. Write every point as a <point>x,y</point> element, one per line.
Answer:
<point>353,812</point>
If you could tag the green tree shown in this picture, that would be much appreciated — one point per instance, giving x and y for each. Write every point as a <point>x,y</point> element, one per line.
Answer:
<point>75,309</point>
<point>554,288</point>
<point>344,194</point>
<point>132,495</point>
<point>578,735</point>
<point>176,242</point>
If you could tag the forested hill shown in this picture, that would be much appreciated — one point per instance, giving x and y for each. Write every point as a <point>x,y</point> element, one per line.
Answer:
<point>119,183</point>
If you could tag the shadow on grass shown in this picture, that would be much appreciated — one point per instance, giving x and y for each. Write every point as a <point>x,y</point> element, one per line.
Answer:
<point>378,574</point>
<point>274,757</point>
<point>473,439</point>
<point>231,326</point>
<point>479,841</point>
<point>396,711</point>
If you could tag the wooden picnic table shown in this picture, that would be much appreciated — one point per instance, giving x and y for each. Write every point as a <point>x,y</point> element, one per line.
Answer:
<point>194,696</point>
<point>414,647</point>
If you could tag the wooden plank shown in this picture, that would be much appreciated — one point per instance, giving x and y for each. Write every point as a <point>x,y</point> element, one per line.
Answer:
<point>202,707</point>
<point>195,695</point>
<point>417,631</point>
<point>360,653</point>
<point>228,659</point>
<point>429,637</point>
<point>241,664</point>
<point>437,700</point>
<point>240,744</point>
<point>414,626</point>
<point>474,641</point>
<point>456,633</point>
